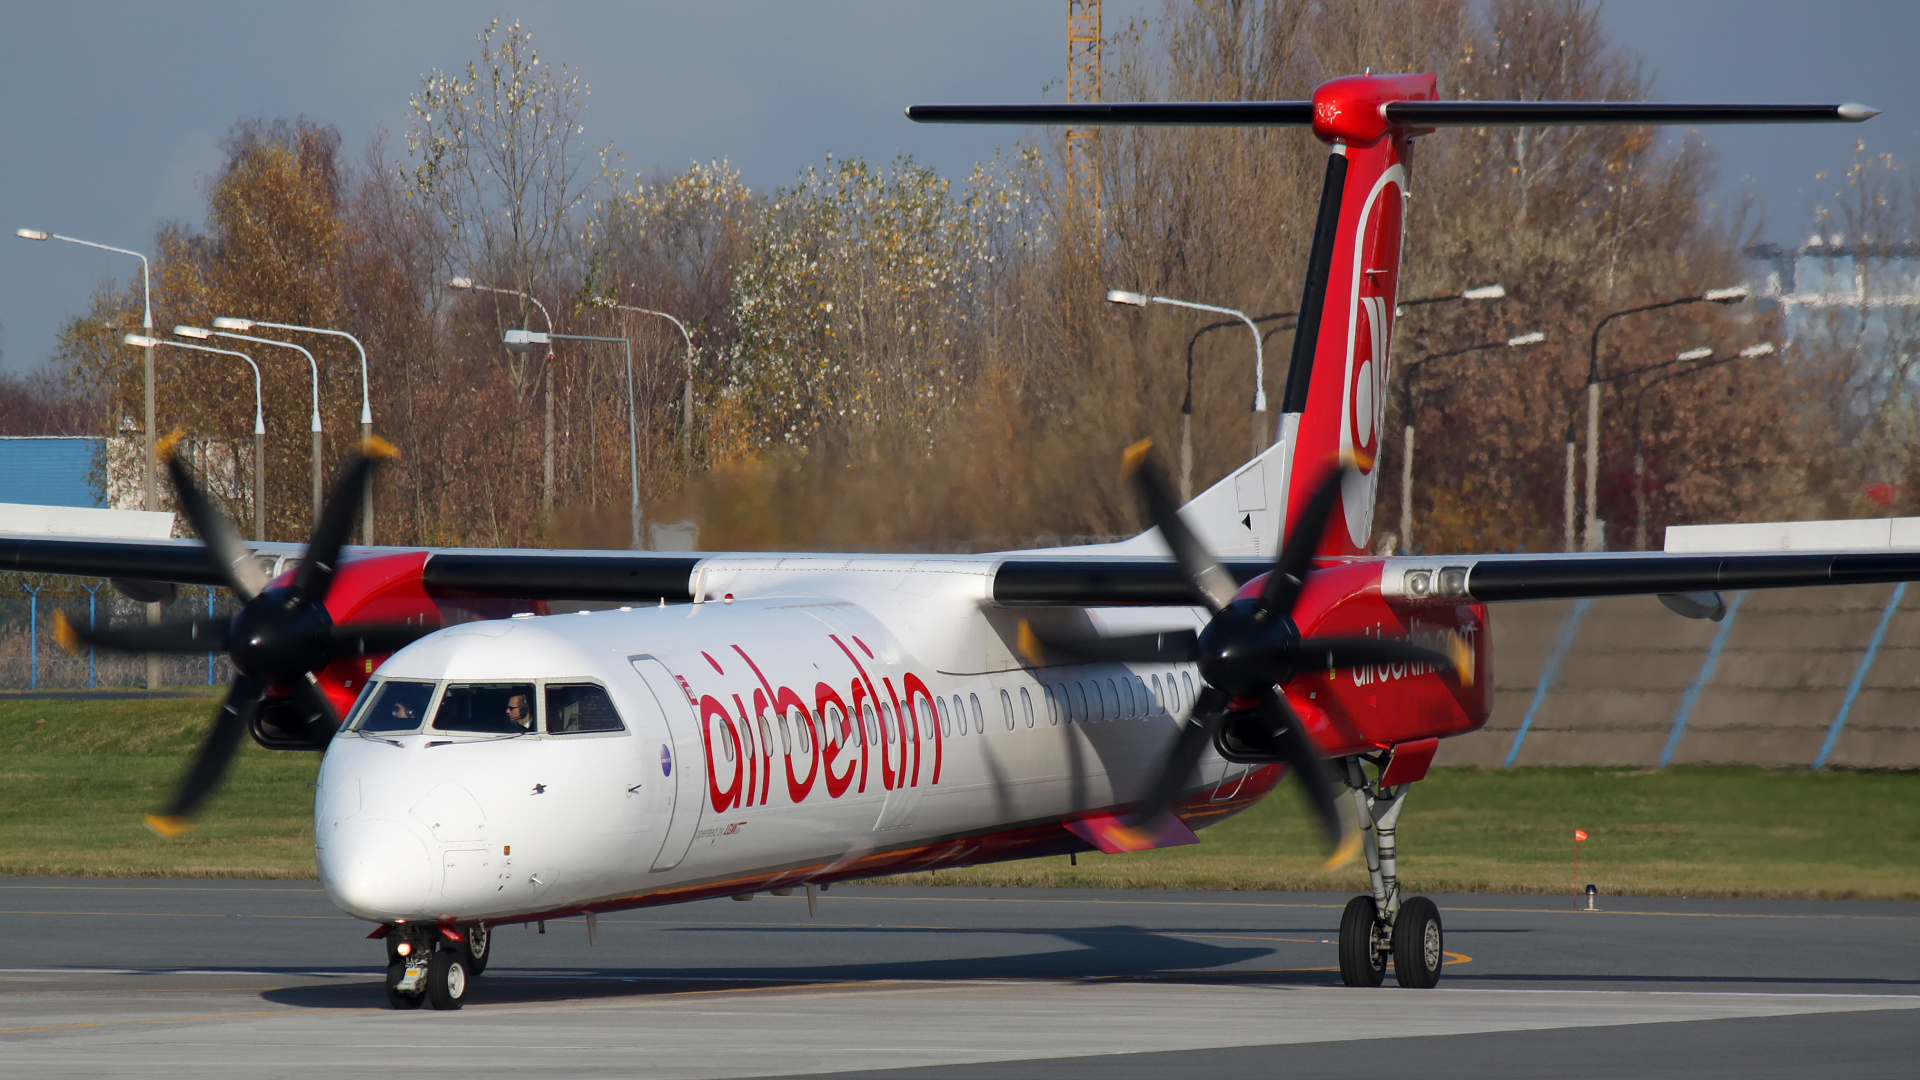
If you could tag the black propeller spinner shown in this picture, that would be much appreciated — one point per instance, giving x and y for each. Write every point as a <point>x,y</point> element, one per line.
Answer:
<point>1247,650</point>
<point>281,636</point>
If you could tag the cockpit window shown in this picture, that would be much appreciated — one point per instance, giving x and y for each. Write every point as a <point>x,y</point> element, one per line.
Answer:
<point>580,708</point>
<point>486,709</point>
<point>397,705</point>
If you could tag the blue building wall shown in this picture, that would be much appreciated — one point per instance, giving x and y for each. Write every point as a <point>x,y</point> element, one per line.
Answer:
<point>48,471</point>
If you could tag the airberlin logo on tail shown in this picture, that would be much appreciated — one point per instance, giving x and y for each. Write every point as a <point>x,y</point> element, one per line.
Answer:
<point>1376,268</point>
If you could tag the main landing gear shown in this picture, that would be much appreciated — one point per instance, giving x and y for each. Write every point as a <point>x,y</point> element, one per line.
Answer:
<point>1382,926</point>
<point>434,965</point>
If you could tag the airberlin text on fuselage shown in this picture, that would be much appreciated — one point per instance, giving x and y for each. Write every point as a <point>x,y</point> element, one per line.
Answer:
<point>826,739</point>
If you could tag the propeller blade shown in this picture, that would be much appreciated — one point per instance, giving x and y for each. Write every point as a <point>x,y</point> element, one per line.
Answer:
<point>1287,738</point>
<point>230,555</point>
<point>178,637</point>
<point>362,639</point>
<point>314,702</point>
<point>322,558</point>
<point>1209,709</point>
<point>1290,568</point>
<point>1342,652</point>
<point>1165,646</point>
<point>1211,582</point>
<point>211,761</point>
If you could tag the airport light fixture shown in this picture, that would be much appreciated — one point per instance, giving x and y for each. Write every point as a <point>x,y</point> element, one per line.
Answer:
<point>522,341</point>
<point>1592,539</point>
<point>1699,359</point>
<point>366,401</point>
<point>145,341</point>
<point>313,366</point>
<point>686,395</point>
<point>1406,418</point>
<point>146,323</point>
<point>1262,437</point>
<point>467,284</point>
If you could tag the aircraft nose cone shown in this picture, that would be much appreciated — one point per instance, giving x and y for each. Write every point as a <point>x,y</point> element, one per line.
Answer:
<point>377,869</point>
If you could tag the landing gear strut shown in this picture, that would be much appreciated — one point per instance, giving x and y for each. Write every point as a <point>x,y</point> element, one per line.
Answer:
<point>1383,925</point>
<point>425,964</point>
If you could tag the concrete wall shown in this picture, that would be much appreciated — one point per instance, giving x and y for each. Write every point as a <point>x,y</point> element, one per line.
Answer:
<point>1786,661</point>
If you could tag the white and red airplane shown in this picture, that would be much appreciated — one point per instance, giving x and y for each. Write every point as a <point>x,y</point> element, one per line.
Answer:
<point>763,722</point>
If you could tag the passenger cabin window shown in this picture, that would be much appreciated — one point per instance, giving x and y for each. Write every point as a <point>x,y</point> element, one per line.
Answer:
<point>398,705</point>
<point>979,718</point>
<point>1026,705</point>
<point>580,708</point>
<point>836,724</point>
<point>1126,698</point>
<point>1080,702</point>
<point>1186,690</point>
<point>486,709</point>
<point>946,718</point>
<point>1053,705</point>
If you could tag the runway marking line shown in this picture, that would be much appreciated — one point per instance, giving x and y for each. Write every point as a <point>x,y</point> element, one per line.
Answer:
<point>171,1020</point>
<point>1337,907</point>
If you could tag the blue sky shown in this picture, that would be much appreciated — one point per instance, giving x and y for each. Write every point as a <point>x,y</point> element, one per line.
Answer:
<point>112,113</point>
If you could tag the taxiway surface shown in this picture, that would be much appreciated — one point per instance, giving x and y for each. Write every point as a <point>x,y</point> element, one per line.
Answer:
<point>227,978</point>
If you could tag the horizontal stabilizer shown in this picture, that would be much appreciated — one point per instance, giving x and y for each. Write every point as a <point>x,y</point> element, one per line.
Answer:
<point>1403,113</point>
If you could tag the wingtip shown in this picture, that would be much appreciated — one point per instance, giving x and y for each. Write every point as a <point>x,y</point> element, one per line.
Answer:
<point>1347,850</point>
<point>165,447</point>
<point>169,825</point>
<point>377,448</point>
<point>65,634</point>
<point>1135,456</point>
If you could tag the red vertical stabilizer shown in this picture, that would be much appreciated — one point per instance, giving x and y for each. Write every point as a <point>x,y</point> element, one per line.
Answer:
<point>1335,399</point>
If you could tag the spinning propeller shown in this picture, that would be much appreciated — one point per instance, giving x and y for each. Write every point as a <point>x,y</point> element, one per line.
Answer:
<point>281,636</point>
<point>1246,652</point>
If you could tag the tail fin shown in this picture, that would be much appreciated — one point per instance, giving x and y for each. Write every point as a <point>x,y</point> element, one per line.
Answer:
<point>1334,405</point>
<point>1335,398</point>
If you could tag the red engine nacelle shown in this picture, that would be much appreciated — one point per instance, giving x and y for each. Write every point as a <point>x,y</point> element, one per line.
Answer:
<point>1372,708</point>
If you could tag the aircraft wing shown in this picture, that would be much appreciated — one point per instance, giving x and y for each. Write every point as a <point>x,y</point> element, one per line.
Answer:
<point>1019,579</point>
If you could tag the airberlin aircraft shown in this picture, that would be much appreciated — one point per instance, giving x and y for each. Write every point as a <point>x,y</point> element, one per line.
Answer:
<point>766,722</point>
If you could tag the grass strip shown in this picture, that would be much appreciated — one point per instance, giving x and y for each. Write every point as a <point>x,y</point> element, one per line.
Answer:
<point>76,776</point>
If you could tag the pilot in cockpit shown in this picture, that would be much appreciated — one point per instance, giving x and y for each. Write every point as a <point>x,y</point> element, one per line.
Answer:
<point>520,711</point>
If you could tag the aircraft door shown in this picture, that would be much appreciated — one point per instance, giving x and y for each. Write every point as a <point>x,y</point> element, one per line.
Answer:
<point>679,759</point>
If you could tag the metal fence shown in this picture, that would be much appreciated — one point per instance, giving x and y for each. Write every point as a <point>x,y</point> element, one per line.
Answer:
<point>31,659</point>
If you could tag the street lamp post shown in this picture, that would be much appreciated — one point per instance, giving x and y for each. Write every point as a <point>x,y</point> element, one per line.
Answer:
<point>1592,538</point>
<point>151,460</point>
<point>146,323</point>
<point>366,402</point>
<point>546,389</point>
<point>312,364</point>
<point>686,395</point>
<point>1481,292</point>
<point>1406,415</point>
<point>1262,438</point>
<point>259,424</point>
<point>1700,360</point>
<point>525,340</point>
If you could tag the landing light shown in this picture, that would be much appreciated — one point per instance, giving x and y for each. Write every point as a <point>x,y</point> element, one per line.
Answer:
<point>405,948</point>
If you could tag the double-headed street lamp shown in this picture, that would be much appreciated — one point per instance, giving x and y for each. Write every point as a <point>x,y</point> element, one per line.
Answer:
<point>366,402</point>
<point>686,395</point>
<point>1592,536</point>
<point>1406,415</point>
<point>312,365</point>
<point>546,435</point>
<point>526,340</point>
<point>1700,359</point>
<point>146,323</point>
<point>259,424</point>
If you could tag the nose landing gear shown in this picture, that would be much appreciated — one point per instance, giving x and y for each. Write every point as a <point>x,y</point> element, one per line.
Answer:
<point>431,965</point>
<point>1381,926</point>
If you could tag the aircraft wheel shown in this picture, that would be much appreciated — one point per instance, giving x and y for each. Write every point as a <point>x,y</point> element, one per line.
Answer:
<point>1362,963</point>
<point>1416,944</point>
<point>447,978</point>
<point>396,999</point>
<point>479,946</point>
